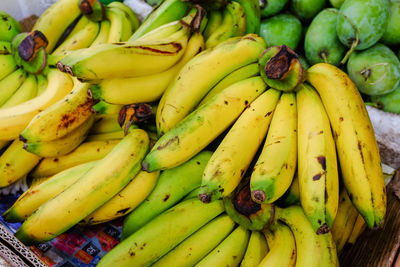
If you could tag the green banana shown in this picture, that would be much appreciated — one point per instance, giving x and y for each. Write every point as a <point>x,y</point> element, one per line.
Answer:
<point>256,250</point>
<point>214,21</point>
<point>103,107</point>
<point>9,27</point>
<point>133,18</point>
<point>201,127</point>
<point>199,244</point>
<point>230,251</point>
<point>172,186</point>
<point>92,190</point>
<point>253,15</point>
<point>162,234</point>
<point>5,47</point>
<point>105,123</point>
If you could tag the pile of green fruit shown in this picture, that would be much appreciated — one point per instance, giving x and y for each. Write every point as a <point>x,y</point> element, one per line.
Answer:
<point>204,126</point>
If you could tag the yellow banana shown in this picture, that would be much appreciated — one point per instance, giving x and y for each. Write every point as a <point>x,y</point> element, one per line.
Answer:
<point>105,123</point>
<point>198,129</point>
<point>199,244</point>
<point>41,192</point>
<point>311,249</point>
<point>355,141</point>
<point>242,73</point>
<point>358,228</point>
<point>275,167</point>
<point>317,166</point>
<point>147,88</point>
<point>161,32</point>
<point>344,221</point>
<point>233,156</point>
<point>230,251</point>
<point>104,31</point>
<point>292,195</point>
<point>56,19</point>
<point>120,26</point>
<point>10,84</point>
<point>126,200</point>
<point>133,18</point>
<point>14,119</point>
<point>62,145</point>
<point>200,74</point>
<point>85,152</point>
<point>118,135</point>
<point>61,118</point>
<point>3,144</point>
<point>103,107</point>
<point>15,163</point>
<point>41,84</point>
<point>256,250</point>
<point>7,65</point>
<point>282,246</point>
<point>162,234</point>
<point>92,190</point>
<point>25,92</point>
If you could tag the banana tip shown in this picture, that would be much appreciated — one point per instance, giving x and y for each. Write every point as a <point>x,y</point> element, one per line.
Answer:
<point>258,196</point>
<point>205,198</point>
<point>323,229</point>
<point>145,166</point>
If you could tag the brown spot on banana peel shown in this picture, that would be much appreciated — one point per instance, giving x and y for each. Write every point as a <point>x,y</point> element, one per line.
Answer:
<point>243,202</point>
<point>205,198</point>
<point>195,25</point>
<point>322,161</point>
<point>172,140</point>
<point>323,229</point>
<point>258,195</point>
<point>178,47</point>
<point>83,109</point>
<point>123,211</point>
<point>280,64</point>
<point>166,197</point>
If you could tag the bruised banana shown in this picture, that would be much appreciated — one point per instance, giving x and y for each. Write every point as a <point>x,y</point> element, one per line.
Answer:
<point>134,193</point>
<point>199,244</point>
<point>355,141</point>
<point>38,194</point>
<point>147,88</point>
<point>231,159</point>
<point>317,165</point>
<point>85,152</point>
<point>92,190</point>
<point>14,119</point>
<point>173,184</point>
<point>256,250</point>
<point>162,234</point>
<point>201,127</point>
<point>275,167</point>
<point>25,92</point>
<point>200,74</point>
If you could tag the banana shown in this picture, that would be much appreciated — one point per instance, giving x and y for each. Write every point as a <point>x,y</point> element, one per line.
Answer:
<point>192,194</point>
<point>115,60</point>
<point>162,234</point>
<point>275,167</point>
<point>358,228</point>
<point>81,39</point>
<point>118,135</point>
<point>85,152</point>
<point>15,163</point>
<point>41,84</point>
<point>344,221</point>
<point>233,24</point>
<point>25,92</point>
<point>292,195</point>
<point>256,250</point>
<point>201,127</point>
<point>9,27</point>
<point>242,73</point>
<point>311,249</point>
<point>355,141</point>
<point>120,26</point>
<point>171,187</point>
<point>105,123</point>
<point>10,84</point>
<point>39,193</point>
<point>199,244</point>
<point>133,18</point>
<point>134,193</point>
<point>317,166</point>
<point>214,21</point>
<point>62,145</point>
<point>200,74</point>
<point>166,12</point>
<point>253,15</point>
<point>147,88</point>
<point>3,145</point>
<point>102,107</point>
<point>5,47</point>
<point>104,31</point>
<point>56,19</point>
<point>282,246</point>
<point>7,65</point>
<point>161,32</point>
<point>92,190</point>
<point>61,118</point>
<point>14,119</point>
<point>233,156</point>
<point>230,251</point>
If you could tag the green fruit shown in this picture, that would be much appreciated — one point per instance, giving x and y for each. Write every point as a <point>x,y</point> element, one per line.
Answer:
<point>281,29</point>
<point>307,9</point>
<point>389,102</point>
<point>321,43</point>
<point>9,27</point>
<point>391,36</point>
<point>375,71</point>
<point>367,18</point>
<point>271,7</point>
<point>336,3</point>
